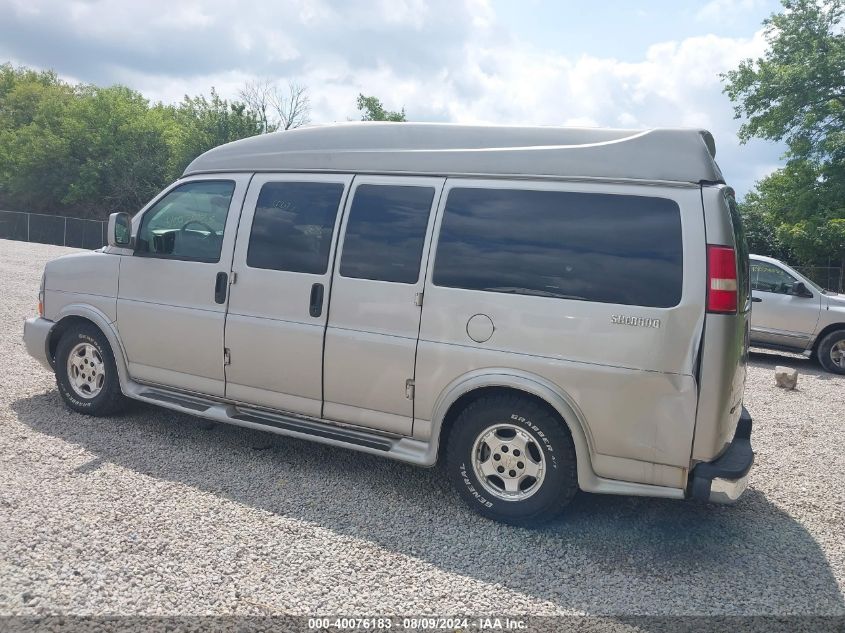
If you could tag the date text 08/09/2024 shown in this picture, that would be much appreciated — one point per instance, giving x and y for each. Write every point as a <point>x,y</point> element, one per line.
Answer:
<point>418,624</point>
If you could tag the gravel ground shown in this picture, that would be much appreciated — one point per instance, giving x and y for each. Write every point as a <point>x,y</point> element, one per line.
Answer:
<point>160,513</point>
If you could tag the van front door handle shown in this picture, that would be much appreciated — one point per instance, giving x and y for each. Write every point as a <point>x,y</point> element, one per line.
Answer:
<point>316,307</point>
<point>220,285</point>
<point>756,299</point>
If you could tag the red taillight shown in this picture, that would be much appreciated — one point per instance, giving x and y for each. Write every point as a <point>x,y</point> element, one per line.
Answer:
<point>721,279</point>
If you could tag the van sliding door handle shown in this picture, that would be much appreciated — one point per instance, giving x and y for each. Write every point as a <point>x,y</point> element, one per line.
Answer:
<point>756,299</point>
<point>220,285</point>
<point>316,307</point>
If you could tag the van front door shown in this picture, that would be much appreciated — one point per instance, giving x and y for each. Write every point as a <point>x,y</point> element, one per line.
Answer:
<point>376,300</point>
<point>172,295</point>
<point>278,305</point>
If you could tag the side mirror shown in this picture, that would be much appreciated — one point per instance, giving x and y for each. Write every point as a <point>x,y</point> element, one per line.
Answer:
<point>120,230</point>
<point>800,290</point>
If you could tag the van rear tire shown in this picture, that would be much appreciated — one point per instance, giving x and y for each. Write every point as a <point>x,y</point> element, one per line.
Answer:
<point>512,460</point>
<point>86,373</point>
<point>831,352</point>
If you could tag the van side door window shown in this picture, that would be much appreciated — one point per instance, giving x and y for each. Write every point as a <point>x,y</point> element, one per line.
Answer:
<point>279,301</point>
<point>293,226</point>
<point>371,338</point>
<point>385,233</point>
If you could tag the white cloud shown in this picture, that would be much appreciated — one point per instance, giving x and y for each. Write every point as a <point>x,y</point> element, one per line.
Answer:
<point>726,10</point>
<point>447,60</point>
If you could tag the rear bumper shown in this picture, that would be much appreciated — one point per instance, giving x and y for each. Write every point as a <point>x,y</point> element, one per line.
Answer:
<point>724,479</point>
<point>36,331</point>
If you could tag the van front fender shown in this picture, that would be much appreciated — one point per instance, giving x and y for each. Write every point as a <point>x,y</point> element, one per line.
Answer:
<point>98,318</point>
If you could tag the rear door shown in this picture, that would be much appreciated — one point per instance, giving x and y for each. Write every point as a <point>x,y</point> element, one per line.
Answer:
<point>171,302</point>
<point>376,300</point>
<point>277,311</point>
<point>723,356</point>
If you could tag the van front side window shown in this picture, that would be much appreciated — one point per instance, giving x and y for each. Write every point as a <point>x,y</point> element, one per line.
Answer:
<point>585,246</point>
<point>187,223</point>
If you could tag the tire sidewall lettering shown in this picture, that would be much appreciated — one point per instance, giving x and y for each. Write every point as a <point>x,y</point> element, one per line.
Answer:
<point>471,488</point>
<point>85,404</point>
<point>544,441</point>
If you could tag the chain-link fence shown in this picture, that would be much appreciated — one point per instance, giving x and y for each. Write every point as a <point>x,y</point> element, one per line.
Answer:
<point>52,229</point>
<point>828,277</point>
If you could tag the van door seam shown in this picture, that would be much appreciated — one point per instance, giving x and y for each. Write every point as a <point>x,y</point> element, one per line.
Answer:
<point>432,220</point>
<point>702,339</point>
<point>327,299</point>
<point>231,266</point>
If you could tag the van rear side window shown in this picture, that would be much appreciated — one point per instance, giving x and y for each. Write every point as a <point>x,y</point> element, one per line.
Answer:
<point>592,247</point>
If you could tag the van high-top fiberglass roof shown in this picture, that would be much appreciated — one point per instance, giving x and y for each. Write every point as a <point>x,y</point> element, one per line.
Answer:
<point>662,154</point>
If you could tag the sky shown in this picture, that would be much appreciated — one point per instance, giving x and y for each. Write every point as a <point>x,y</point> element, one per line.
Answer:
<point>610,63</point>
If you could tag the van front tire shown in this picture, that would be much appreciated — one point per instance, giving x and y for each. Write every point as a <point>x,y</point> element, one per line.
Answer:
<point>512,460</point>
<point>86,374</point>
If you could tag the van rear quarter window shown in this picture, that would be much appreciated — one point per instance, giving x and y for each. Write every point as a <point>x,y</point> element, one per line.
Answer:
<point>606,248</point>
<point>743,263</point>
<point>293,226</point>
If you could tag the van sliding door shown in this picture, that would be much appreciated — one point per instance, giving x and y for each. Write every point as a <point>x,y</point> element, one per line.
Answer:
<point>279,301</point>
<point>376,300</point>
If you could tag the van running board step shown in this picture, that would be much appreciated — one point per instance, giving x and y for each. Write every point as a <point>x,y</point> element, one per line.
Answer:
<point>193,405</point>
<point>405,449</point>
<point>318,430</point>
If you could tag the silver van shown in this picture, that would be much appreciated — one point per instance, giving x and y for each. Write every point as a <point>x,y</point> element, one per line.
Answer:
<point>542,309</point>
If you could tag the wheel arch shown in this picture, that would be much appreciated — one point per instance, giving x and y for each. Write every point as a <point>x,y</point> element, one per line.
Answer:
<point>467,389</point>
<point>76,314</point>
<point>831,327</point>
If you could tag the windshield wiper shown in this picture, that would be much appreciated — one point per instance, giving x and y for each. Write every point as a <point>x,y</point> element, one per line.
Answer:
<point>514,290</point>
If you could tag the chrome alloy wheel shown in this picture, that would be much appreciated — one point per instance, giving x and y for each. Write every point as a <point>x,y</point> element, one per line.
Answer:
<point>508,462</point>
<point>837,353</point>
<point>86,370</point>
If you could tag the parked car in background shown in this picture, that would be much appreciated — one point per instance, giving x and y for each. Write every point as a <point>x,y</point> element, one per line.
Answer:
<point>546,309</point>
<point>793,314</point>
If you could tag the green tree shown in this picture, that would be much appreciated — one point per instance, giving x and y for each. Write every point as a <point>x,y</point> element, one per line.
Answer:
<point>372,109</point>
<point>120,155</point>
<point>795,93</point>
<point>30,103</point>
<point>82,149</point>
<point>760,232</point>
<point>204,123</point>
<point>87,151</point>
